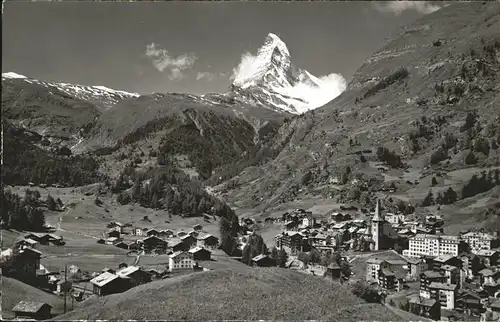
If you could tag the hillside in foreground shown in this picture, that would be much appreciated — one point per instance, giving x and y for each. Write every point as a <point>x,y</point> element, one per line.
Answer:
<point>248,294</point>
<point>14,291</point>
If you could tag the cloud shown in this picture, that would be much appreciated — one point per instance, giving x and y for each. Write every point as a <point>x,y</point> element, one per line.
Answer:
<point>205,75</point>
<point>326,89</point>
<point>397,7</point>
<point>162,60</point>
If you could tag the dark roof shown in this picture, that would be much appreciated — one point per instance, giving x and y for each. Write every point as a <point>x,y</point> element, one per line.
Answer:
<point>29,306</point>
<point>432,274</point>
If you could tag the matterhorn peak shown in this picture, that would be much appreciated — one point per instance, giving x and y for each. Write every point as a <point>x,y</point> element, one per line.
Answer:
<point>269,79</point>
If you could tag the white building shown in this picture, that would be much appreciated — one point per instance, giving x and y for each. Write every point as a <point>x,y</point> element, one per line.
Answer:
<point>480,241</point>
<point>444,293</point>
<point>433,245</point>
<point>180,261</point>
<point>394,219</point>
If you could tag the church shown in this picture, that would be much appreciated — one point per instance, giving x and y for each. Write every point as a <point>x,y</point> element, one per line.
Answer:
<point>381,231</point>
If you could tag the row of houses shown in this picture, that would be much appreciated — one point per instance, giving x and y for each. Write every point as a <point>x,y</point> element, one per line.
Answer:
<point>32,239</point>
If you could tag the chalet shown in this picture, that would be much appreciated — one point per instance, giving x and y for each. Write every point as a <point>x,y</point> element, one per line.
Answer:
<point>293,242</point>
<point>197,227</point>
<point>24,265</point>
<point>334,271</point>
<point>63,286</point>
<point>43,239</point>
<point>415,267</point>
<point>177,245</point>
<point>391,280</point>
<point>452,274</point>
<point>263,261</point>
<point>55,239</point>
<point>488,257</point>
<point>32,310</point>
<point>108,283</point>
<point>208,241</point>
<point>113,233</point>
<point>166,233</point>
<point>442,260</point>
<point>444,293</point>
<point>112,241</point>
<point>153,232</point>
<point>101,241</point>
<point>374,265</point>
<point>154,243</point>
<point>269,220</point>
<point>138,231</point>
<point>115,225</point>
<point>122,245</point>
<point>469,302</point>
<point>425,307</point>
<point>188,240</point>
<point>193,234</point>
<point>181,234</point>
<point>200,253</point>
<point>134,245</point>
<point>137,276</point>
<point>180,260</point>
<point>488,276</point>
<point>428,277</point>
<point>27,243</point>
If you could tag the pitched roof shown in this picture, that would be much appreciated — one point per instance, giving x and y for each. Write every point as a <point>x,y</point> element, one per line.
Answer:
<point>205,236</point>
<point>27,250</point>
<point>178,253</point>
<point>443,286</point>
<point>126,271</point>
<point>396,261</point>
<point>486,272</point>
<point>259,257</point>
<point>186,237</point>
<point>432,274</point>
<point>103,279</point>
<point>448,267</point>
<point>197,249</point>
<point>374,261</point>
<point>29,306</point>
<point>486,252</point>
<point>29,241</point>
<point>443,258</point>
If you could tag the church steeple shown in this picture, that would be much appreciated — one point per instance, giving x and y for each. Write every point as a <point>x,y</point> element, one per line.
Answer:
<point>377,216</point>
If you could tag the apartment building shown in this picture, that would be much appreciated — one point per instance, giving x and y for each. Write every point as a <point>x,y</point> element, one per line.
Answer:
<point>480,241</point>
<point>434,245</point>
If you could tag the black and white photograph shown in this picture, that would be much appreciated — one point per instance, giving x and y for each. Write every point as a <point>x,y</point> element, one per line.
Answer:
<point>250,161</point>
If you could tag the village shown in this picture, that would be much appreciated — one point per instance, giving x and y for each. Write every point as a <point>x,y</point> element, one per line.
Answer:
<point>407,260</point>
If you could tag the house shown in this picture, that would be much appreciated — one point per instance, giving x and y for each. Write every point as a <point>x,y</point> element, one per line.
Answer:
<point>415,268</point>
<point>292,242</point>
<point>189,241</point>
<point>469,302</point>
<point>32,310</point>
<point>442,260</point>
<point>495,310</point>
<point>115,225</point>
<point>166,233</point>
<point>481,241</point>
<point>445,294</point>
<point>180,260</point>
<point>109,283</point>
<point>263,261</point>
<point>113,233</point>
<point>373,267</point>
<point>27,243</point>
<point>153,243</point>
<point>452,274</point>
<point>153,232</point>
<point>334,271</point>
<point>391,280</point>
<point>200,253</point>
<point>488,276</point>
<point>425,307</point>
<point>181,234</point>
<point>208,241</point>
<point>122,245</point>
<point>471,264</point>
<point>138,231</point>
<point>55,239</point>
<point>101,241</point>
<point>43,239</point>
<point>24,265</point>
<point>63,286</point>
<point>428,277</point>
<point>112,241</point>
<point>488,257</point>
<point>197,227</point>
<point>137,276</point>
<point>177,245</point>
<point>193,234</point>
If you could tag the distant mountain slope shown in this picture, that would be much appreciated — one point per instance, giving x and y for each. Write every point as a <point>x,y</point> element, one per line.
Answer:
<point>226,294</point>
<point>271,80</point>
<point>412,97</point>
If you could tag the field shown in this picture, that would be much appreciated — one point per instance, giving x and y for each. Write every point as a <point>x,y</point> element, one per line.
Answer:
<point>246,294</point>
<point>14,291</point>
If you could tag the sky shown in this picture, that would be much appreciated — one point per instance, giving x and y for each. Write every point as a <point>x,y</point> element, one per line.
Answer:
<point>190,47</point>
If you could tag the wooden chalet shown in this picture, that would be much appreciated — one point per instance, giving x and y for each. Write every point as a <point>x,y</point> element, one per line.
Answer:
<point>32,310</point>
<point>108,283</point>
<point>200,253</point>
<point>263,261</point>
<point>137,275</point>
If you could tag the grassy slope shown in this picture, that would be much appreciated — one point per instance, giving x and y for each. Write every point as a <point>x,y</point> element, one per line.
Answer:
<point>14,291</point>
<point>249,294</point>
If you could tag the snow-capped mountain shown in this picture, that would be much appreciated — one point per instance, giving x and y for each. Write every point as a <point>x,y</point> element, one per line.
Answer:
<point>270,79</point>
<point>97,94</point>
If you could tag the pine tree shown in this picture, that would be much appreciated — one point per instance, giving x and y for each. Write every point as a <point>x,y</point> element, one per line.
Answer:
<point>51,203</point>
<point>281,258</point>
<point>429,200</point>
<point>434,181</point>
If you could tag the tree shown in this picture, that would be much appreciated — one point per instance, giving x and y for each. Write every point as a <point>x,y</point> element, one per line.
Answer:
<point>482,145</point>
<point>274,253</point>
<point>450,196</point>
<point>434,181</point>
<point>281,258</point>
<point>59,202</point>
<point>438,156</point>
<point>470,158</point>
<point>51,203</point>
<point>428,200</point>
<point>345,268</point>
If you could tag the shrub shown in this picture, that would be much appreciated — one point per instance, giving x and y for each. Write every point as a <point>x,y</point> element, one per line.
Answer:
<point>482,145</point>
<point>434,181</point>
<point>400,74</point>
<point>438,156</point>
<point>470,158</point>
<point>391,158</point>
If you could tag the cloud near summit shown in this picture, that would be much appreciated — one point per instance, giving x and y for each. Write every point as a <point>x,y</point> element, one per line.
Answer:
<point>397,7</point>
<point>162,60</point>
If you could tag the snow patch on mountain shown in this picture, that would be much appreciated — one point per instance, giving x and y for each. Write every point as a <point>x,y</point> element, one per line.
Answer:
<point>12,75</point>
<point>270,79</point>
